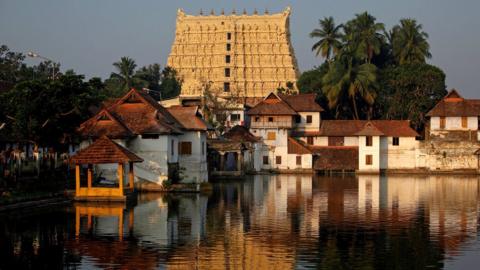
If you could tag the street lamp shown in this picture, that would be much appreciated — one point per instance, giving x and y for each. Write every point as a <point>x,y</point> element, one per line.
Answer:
<point>36,55</point>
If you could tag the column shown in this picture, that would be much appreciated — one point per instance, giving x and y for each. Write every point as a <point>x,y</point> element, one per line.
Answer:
<point>130,176</point>
<point>222,161</point>
<point>120,178</point>
<point>77,179</point>
<point>89,176</point>
<point>239,161</point>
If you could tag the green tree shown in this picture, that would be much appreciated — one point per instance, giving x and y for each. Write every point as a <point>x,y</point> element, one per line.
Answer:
<point>124,78</point>
<point>329,35</point>
<point>409,43</point>
<point>348,81</point>
<point>170,86</point>
<point>409,91</point>
<point>363,35</point>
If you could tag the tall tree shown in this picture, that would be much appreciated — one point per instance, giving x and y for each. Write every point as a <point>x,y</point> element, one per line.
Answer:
<point>347,79</point>
<point>124,75</point>
<point>329,35</point>
<point>409,43</point>
<point>364,36</point>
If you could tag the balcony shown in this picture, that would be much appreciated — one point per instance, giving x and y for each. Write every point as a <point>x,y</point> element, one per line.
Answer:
<point>274,124</point>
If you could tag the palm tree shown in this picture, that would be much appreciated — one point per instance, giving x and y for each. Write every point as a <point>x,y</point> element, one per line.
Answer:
<point>329,35</point>
<point>345,78</point>
<point>364,36</point>
<point>409,43</point>
<point>125,72</point>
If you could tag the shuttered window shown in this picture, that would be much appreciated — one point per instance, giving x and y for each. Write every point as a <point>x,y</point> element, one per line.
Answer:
<point>368,141</point>
<point>368,159</point>
<point>309,119</point>
<point>278,160</point>
<point>442,122</point>
<point>271,136</point>
<point>310,140</point>
<point>299,160</point>
<point>396,141</point>
<point>265,160</point>
<point>185,148</point>
<point>464,122</point>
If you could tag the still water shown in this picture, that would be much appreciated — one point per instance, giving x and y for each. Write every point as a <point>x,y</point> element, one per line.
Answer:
<point>263,222</point>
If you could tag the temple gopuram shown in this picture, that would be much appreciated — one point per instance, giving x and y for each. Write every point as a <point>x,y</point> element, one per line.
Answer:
<point>240,54</point>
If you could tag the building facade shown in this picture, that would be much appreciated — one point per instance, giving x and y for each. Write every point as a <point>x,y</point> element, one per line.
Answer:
<point>246,55</point>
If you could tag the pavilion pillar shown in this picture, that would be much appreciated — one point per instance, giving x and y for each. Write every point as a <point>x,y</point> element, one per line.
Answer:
<point>77,221</point>
<point>89,176</point>
<point>77,179</point>
<point>120,177</point>
<point>222,161</point>
<point>239,161</point>
<point>120,226</point>
<point>130,176</point>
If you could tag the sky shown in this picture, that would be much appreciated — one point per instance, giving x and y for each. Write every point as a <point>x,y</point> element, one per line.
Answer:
<point>89,35</point>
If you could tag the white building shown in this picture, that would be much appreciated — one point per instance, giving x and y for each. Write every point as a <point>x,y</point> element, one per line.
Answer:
<point>172,142</point>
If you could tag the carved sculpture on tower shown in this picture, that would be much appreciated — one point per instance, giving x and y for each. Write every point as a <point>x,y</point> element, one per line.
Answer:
<point>236,54</point>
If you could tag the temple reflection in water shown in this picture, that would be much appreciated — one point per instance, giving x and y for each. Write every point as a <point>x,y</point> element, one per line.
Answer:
<point>267,222</point>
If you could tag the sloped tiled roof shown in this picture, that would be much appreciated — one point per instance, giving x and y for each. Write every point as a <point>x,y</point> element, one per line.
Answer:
<point>240,134</point>
<point>297,147</point>
<point>286,105</point>
<point>104,150</point>
<point>453,104</point>
<point>369,130</point>
<point>136,112</point>
<point>188,116</point>
<point>390,128</point>
<point>335,157</point>
<point>302,102</point>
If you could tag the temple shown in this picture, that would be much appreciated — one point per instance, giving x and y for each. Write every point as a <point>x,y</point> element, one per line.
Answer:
<point>238,54</point>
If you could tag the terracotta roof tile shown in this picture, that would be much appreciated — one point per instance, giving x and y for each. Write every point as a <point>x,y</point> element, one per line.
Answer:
<point>240,134</point>
<point>102,124</point>
<point>369,130</point>
<point>455,105</point>
<point>296,147</point>
<point>302,102</point>
<point>335,157</point>
<point>189,117</point>
<point>272,105</point>
<point>104,150</point>
<point>390,128</point>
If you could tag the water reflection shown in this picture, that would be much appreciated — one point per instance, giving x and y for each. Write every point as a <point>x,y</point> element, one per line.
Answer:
<point>264,222</point>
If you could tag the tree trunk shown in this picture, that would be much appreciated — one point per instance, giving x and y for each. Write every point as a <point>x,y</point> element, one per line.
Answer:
<point>355,108</point>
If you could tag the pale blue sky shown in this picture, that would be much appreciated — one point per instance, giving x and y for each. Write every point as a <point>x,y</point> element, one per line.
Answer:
<point>89,35</point>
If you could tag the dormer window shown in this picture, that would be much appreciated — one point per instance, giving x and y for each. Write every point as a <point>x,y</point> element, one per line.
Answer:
<point>103,117</point>
<point>132,99</point>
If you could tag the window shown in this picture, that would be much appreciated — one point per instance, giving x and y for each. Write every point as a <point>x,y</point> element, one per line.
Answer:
<point>336,141</point>
<point>464,122</point>
<point>299,160</point>
<point>227,72</point>
<point>227,59</point>
<point>270,119</point>
<point>172,147</point>
<point>229,46</point>
<point>368,141</point>
<point>150,136</point>
<point>265,160</point>
<point>257,119</point>
<point>271,136</point>
<point>396,141</point>
<point>310,140</point>
<point>185,148</point>
<point>309,119</point>
<point>278,160</point>
<point>235,117</point>
<point>368,159</point>
<point>442,122</point>
<point>229,36</point>
<point>226,87</point>
<point>298,119</point>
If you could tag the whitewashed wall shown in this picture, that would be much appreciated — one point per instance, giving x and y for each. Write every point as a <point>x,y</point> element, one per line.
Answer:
<point>194,166</point>
<point>373,150</point>
<point>454,123</point>
<point>303,125</point>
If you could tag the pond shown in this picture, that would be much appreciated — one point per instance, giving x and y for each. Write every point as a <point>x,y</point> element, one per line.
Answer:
<point>262,222</point>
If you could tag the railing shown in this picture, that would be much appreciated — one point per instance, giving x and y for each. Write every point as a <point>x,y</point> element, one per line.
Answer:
<point>275,124</point>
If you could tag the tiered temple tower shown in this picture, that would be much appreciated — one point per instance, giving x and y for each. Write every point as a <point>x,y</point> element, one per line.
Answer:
<point>237,54</point>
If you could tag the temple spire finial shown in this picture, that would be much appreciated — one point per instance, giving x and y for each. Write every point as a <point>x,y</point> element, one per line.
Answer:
<point>255,11</point>
<point>266,11</point>
<point>212,12</point>
<point>234,12</point>
<point>201,12</point>
<point>222,12</point>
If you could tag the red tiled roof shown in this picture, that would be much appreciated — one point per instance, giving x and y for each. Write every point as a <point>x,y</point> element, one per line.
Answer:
<point>296,147</point>
<point>104,150</point>
<point>455,105</point>
<point>286,105</point>
<point>240,134</point>
<point>138,113</point>
<point>369,130</point>
<point>188,117</point>
<point>103,124</point>
<point>390,128</point>
<point>302,102</point>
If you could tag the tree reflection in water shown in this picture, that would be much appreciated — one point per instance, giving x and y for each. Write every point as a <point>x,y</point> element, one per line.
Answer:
<point>263,222</point>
